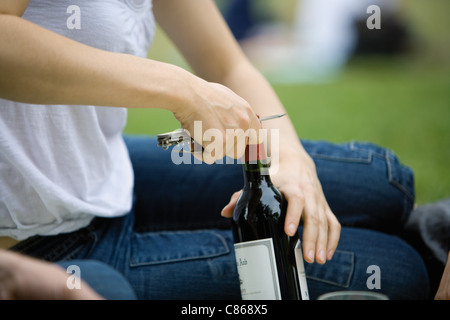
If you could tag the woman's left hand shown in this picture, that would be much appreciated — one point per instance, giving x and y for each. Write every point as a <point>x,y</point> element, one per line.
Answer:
<point>297,179</point>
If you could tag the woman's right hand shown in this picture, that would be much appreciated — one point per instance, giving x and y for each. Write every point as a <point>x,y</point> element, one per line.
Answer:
<point>226,120</point>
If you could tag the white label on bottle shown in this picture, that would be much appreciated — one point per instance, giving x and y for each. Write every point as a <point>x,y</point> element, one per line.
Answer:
<point>301,271</point>
<point>257,270</point>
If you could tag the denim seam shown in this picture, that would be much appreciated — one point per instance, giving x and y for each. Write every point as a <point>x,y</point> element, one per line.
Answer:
<point>395,183</point>
<point>190,258</point>
<point>371,153</point>
<point>350,273</point>
<point>366,155</point>
<point>385,157</point>
<point>332,158</point>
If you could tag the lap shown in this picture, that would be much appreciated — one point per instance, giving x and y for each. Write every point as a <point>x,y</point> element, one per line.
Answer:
<point>365,186</point>
<point>370,260</point>
<point>200,264</point>
<point>175,245</point>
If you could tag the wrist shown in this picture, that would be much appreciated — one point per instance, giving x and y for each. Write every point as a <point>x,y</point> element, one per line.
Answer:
<point>174,89</point>
<point>134,82</point>
<point>290,151</point>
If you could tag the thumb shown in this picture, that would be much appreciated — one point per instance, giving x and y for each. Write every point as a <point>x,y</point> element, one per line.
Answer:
<point>228,210</point>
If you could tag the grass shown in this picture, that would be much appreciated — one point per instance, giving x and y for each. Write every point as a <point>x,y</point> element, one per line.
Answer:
<point>404,109</point>
<point>399,103</point>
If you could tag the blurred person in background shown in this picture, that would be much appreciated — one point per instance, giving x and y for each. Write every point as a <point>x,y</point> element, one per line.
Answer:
<point>324,36</point>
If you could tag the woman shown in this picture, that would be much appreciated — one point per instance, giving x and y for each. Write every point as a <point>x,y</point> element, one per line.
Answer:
<point>67,178</point>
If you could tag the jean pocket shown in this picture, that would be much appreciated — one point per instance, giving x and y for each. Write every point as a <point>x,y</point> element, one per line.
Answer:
<point>152,248</point>
<point>338,271</point>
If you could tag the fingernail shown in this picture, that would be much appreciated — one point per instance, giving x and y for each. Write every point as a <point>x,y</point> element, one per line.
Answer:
<point>291,229</point>
<point>330,254</point>
<point>311,255</point>
<point>321,256</point>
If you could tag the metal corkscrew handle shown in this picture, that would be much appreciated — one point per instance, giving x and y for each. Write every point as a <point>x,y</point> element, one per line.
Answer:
<point>180,136</point>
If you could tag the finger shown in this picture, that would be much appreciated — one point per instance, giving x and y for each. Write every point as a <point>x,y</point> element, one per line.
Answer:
<point>310,232</point>
<point>228,210</point>
<point>213,141</point>
<point>197,150</point>
<point>334,233</point>
<point>296,205</point>
<point>322,237</point>
<point>211,153</point>
<point>235,143</point>
<point>255,127</point>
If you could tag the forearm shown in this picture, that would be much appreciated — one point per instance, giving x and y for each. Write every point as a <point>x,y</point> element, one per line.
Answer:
<point>41,67</point>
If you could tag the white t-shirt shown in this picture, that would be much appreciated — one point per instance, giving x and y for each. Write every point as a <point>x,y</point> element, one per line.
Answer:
<point>62,165</point>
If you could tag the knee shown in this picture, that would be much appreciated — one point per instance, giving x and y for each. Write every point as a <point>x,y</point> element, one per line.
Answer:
<point>391,266</point>
<point>369,260</point>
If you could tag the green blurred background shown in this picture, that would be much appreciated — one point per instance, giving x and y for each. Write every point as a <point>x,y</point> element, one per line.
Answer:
<point>399,102</point>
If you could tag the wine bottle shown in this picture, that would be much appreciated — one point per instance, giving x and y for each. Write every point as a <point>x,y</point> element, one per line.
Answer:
<point>269,262</point>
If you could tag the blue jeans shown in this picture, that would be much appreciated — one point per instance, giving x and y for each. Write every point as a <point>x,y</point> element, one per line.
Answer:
<point>175,245</point>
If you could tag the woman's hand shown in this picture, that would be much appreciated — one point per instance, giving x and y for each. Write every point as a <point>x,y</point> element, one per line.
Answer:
<point>296,178</point>
<point>209,47</point>
<point>225,117</point>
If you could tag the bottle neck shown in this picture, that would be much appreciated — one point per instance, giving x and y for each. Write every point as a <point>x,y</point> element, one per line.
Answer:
<point>256,168</point>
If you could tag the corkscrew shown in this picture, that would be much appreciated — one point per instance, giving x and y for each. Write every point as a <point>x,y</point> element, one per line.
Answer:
<point>180,136</point>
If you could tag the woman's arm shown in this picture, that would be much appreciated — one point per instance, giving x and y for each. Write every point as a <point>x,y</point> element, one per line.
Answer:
<point>201,34</point>
<point>41,67</point>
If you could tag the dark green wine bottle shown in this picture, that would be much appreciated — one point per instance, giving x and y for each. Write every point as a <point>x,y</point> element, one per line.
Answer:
<point>269,262</point>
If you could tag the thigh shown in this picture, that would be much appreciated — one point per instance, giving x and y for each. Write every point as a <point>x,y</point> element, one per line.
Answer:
<point>170,196</point>
<point>369,260</point>
<point>365,185</point>
<point>176,252</point>
<point>201,264</point>
<point>189,264</point>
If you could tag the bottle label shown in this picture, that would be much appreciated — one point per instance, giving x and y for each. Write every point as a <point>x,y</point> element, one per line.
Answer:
<point>301,271</point>
<point>255,262</point>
